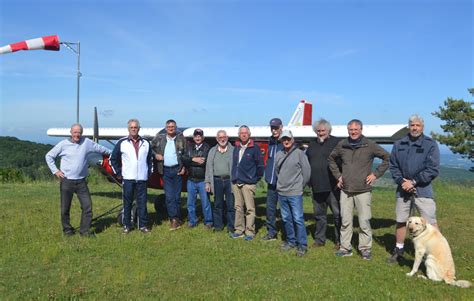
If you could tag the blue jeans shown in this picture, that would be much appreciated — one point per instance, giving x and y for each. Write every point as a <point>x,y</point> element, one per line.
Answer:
<point>223,189</point>
<point>172,186</point>
<point>291,208</point>
<point>193,189</point>
<point>130,189</point>
<point>272,200</point>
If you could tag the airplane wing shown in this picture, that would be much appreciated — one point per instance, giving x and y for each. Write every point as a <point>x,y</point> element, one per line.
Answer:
<point>300,125</point>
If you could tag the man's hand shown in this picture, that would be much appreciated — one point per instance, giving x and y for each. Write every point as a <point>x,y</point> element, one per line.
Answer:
<point>182,171</point>
<point>407,185</point>
<point>199,160</point>
<point>370,179</point>
<point>208,187</point>
<point>60,175</point>
<point>159,157</point>
<point>340,182</point>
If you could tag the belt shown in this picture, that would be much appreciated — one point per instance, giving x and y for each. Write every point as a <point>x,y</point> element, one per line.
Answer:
<point>173,166</point>
<point>222,177</point>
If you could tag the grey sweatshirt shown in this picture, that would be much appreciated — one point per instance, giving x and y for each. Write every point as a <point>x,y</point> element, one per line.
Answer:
<point>293,174</point>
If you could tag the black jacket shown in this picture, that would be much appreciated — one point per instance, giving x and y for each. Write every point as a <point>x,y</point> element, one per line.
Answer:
<point>318,153</point>
<point>196,172</point>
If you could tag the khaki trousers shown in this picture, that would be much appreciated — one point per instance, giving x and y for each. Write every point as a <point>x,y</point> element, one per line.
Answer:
<point>244,195</point>
<point>362,202</point>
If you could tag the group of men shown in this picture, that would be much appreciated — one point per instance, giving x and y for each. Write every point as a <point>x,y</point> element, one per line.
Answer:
<point>339,171</point>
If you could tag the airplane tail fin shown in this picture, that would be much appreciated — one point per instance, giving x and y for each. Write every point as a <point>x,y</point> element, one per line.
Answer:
<point>303,114</point>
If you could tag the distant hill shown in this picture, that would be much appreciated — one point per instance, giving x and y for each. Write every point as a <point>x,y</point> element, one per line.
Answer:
<point>23,158</point>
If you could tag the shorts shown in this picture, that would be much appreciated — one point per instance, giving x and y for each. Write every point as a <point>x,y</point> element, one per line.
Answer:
<point>425,206</point>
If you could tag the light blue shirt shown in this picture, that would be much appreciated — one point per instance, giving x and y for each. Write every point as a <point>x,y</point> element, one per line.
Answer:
<point>170,158</point>
<point>73,156</point>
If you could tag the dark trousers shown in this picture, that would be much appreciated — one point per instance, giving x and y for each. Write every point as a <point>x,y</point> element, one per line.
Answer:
<point>67,189</point>
<point>132,188</point>
<point>223,191</point>
<point>321,201</point>
<point>272,201</point>
<point>172,186</point>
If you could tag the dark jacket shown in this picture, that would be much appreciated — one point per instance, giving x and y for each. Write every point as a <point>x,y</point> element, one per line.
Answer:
<point>415,160</point>
<point>158,146</point>
<point>196,171</point>
<point>250,169</point>
<point>357,164</point>
<point>322,180</point>
<point>274,146</point>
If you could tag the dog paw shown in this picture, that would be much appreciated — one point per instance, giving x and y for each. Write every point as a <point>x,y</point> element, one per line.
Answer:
<point>410,274</point>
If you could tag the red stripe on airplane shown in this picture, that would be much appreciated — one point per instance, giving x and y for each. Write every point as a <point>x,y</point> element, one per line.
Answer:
<point>308,114</point>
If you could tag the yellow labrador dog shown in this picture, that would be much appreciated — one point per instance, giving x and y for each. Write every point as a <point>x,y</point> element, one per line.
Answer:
<point>431,243</point>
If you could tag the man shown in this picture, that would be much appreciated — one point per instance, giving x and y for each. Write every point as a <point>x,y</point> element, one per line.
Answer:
<point>168,150</point>
<point>195,161</point>
<point>357,157</point>
<point>414,164</point>
<point>72,175</point>
<point>324,185</point>
<point>274,146</point>
<point>218,172</point>
<point>247,169</point>
<point>294,171</point>
<point>131,161</point>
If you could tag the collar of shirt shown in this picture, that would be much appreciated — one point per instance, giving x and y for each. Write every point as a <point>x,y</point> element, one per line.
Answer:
<point>222,150</point>
<point>197,147</point>
<point>170,138</point>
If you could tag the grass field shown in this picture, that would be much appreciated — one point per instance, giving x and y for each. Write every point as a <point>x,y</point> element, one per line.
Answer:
<point>37,262</point>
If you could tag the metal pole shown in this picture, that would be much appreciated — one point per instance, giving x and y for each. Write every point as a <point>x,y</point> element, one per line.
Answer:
<point>78,77</point>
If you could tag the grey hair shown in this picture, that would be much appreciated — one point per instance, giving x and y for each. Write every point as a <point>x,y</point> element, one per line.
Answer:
<point>221,131</point>
<point>244,127</point>
<point>356,121</point>
<point>134,120</point>
<point>416,117</point>
<point>79,125</point>
<point>324,123</point>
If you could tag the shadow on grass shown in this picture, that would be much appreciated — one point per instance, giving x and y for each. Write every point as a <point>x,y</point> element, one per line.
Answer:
<point>108,194</point>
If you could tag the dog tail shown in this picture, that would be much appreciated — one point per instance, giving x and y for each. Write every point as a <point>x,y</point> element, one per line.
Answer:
<point>460,283</point>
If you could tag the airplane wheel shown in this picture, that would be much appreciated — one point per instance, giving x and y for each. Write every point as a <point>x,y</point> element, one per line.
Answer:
<point>133,217</point>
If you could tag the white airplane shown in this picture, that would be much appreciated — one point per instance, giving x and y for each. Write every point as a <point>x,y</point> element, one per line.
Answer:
<point>300,125</point>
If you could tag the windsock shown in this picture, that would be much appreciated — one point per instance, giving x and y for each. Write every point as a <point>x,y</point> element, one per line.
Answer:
<point>46,43</point>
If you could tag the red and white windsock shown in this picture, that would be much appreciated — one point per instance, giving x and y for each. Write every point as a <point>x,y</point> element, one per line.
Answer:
<point>46,43</point>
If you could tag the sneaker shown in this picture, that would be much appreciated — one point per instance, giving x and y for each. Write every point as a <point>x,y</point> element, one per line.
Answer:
<point>174,225</point>
<point>285,247</point>
<point>396,255</point>
<point>126,230</point>
<point>337,246</point>
<point>366,254</point>
<point>190,226</point>
<point>236,235</point>
<point>145,230</point>
<point>248,237</point>
<point>269,237</point>
<point>301,251</point>
<point>343,253</point>
<point>208,227</point>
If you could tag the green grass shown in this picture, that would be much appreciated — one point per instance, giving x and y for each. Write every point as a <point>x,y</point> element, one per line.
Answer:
<point>37,262</point>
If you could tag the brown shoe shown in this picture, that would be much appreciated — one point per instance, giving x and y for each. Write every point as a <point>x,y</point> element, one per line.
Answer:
<point>317,244</point>
<point>337,246</point>
<point>174,225</point>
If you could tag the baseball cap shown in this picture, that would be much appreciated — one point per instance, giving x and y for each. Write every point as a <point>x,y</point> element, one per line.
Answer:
<point>275,122</point>
<point>287,134</point>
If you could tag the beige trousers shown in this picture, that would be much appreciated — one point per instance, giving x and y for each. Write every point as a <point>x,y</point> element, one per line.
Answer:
<point>362,202</point>
<point>244,195</point>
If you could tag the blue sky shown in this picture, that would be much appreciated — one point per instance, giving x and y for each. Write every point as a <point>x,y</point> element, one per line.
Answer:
<point>221,63</point>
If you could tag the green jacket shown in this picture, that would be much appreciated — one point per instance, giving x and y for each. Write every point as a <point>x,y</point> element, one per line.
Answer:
<point>357,164</point>
<point>158,146</point>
